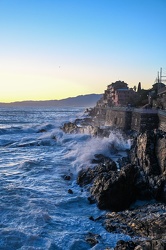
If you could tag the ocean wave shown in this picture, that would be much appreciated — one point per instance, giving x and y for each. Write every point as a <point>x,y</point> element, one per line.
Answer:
<point>84,147</point>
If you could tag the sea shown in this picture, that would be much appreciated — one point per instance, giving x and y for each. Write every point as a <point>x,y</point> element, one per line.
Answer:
<point>37,211</point>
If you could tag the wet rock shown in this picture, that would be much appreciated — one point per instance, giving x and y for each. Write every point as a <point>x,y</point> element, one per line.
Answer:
<point>123,245</point>
<point>115,190</point>
<point>161,153</point>
<point>107,161</point>
<point>143,153</point>
<point>123,161</point>
<point>149,154</point>
<point>70,127</point>
<point>67,177</point>
<point>91,200</point>
<point>141,245</point>
<point>145,221</point>
<point>91,218</point>
<point>105,165</point>
<point>151,245</point>
<point>143,179</point>
<point>92,239</point>
<point>42,130</point>
<point>70,191</point>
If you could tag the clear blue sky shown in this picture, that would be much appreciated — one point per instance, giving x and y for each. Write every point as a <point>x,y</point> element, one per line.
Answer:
<point>52,49</point>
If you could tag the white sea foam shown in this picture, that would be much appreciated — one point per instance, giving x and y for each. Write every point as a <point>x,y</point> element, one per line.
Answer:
<point>84,147</point>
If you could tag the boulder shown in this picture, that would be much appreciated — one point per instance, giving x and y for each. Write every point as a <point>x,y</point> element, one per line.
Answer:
<point>115,190</point>
<point>70,127</point>
<point>105,165</point>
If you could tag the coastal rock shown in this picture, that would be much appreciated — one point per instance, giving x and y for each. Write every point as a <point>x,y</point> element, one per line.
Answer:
<point>70,191</point>
<point>85,126</point>
<point>115,190</point>
<point>123,245</point>
<point>161,153</point>
<point>70,127</point>
<point>143,153</point>
<point>143,179</point>
<point>86,176</point>
<point>149,154</point>
<point>141,245</point>
<point>149,221</point>
<point>92,239</point>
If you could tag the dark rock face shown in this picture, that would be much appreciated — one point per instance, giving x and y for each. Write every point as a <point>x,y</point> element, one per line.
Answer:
<point>88,175</point>
<point>149,154</point>
<point>70,127</point>
<point>92,239</point>
<point>115,190</point>
<point>148,221</point>
<point>111,189</point>
<point>141,245</point>
<point>123,245</point>
<point>161,153</point>
<point>144,178</point>
<point>85,125</point>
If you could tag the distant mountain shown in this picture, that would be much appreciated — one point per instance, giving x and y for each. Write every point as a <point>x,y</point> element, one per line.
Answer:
<point>78,101</point>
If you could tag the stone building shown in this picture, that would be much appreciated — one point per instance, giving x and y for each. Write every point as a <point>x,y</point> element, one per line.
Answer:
<point>118,94</point>
<point>124,97</point>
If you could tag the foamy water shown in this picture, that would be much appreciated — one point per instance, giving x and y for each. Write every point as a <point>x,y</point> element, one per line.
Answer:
<point>36,210</point>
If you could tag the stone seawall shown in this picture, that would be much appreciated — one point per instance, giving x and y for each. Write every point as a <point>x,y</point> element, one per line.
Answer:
<point>143,120</point>
<point>125,118</point>
<point>118,118</point>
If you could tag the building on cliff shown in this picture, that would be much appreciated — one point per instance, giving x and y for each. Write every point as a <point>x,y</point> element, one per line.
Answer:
<point>113,109</point>
<point>124,97</point>
<point>118,94</point>
<point>157,96</point>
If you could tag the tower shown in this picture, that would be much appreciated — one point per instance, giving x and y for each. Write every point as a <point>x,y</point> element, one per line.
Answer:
<point>139,87</point>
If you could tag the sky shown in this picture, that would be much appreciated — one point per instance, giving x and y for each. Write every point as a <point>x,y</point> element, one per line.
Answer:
<point>54,49</point>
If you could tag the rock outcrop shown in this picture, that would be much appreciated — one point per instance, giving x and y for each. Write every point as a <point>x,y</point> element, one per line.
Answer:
<point>142,177</point>
<point>115,190</point>
<point>149,154</point>
<point>141,245</point>
<point>146,225</point>
<point>148,220</point>
<point>85,126</point>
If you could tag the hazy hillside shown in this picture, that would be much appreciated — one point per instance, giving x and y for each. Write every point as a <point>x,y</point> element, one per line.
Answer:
<point>78,101</point>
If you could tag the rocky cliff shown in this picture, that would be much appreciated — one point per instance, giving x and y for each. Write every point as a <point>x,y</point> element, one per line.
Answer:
<point>140,177</point>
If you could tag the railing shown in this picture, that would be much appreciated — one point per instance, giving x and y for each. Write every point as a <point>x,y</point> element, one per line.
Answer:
<point>146,111</point>
<point>138,110</point>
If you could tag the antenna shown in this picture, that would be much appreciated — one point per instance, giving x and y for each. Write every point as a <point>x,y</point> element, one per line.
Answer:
<point>158,78</point>
<point>161,76</point>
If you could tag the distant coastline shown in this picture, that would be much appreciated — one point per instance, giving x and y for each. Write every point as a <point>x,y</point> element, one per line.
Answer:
<point>78,101</point>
